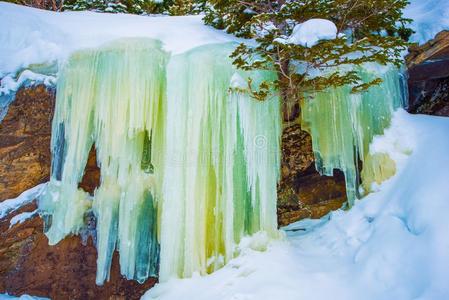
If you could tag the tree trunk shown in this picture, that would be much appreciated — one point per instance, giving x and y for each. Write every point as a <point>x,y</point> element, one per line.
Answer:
<point>290,105</point>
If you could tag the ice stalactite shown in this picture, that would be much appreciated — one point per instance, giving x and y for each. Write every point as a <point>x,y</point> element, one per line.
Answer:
<point>188,165</point>
<point>222,163</point>
<point>342,126</point>
<point>112,97</point>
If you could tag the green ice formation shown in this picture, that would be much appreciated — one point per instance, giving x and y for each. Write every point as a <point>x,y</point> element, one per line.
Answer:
<point>223,157</point>
<point>188,165</point>
<point>112,97</point>
<point>342,125</point>
<point>189,161</point>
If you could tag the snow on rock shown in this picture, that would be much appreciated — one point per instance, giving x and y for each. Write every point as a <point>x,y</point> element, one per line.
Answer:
<point>23,297</point>
<point>309,33</point>
<point>22,217</point>
<point>26,197</point>
<point>10,84</point>
<point>429,17</point>
<point>33,36</point>
<point>391,245</point>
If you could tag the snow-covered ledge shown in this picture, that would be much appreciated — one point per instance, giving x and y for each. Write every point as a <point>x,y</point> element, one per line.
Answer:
<point>11,205</point>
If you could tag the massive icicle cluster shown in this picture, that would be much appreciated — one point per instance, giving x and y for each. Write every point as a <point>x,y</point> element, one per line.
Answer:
<point>342,126</point>
<point>113,98</point>
<point>188,166</point>
<point>222,163</point>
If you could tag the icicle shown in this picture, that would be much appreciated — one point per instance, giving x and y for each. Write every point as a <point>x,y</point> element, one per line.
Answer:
<point>343,125</point>
<point>113,97</point>
<point>195,176</point>
<point>222,163</point>
<point>64,206</point>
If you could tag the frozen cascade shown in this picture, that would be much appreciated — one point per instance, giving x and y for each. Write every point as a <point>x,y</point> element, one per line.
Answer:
<point>342,125</point>
<point>188,166</point>
<point>112,97</point>
<point>223,158</point>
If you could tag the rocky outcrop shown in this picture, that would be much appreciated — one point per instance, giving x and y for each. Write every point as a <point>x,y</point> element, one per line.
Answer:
<point>27,263</point>
<point>428,69</point>
<point>65,271</point>
<point>303,192</point>
<point>25,134</point>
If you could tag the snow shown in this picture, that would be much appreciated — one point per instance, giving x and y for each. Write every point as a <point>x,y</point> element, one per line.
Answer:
<point>36,39</point>
<point>9,85</point>
<point>23,297</point>
<point>32,36</point>
<point>10,205</point>
<point>390,245</point>
<point>309,33</point>
<point>429,18</point>
<point>22,217</point>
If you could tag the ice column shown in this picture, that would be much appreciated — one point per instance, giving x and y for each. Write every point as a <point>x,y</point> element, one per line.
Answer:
<point>342,126</point>
<point>222,163</point>
<point>186,162</point>
<point>112,97</point>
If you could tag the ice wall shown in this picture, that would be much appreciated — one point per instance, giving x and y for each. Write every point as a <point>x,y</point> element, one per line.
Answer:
<point>188,165</point>
<point>112,97</point>
<point>342,126</point>
<point>222,162</point>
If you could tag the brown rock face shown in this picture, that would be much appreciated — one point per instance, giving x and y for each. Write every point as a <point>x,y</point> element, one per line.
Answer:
<point>429,77</point>
<point>25,134</point>
<point>27,263</point>
<point>64,271</point>
<point>432,50</point>
<point>303,192</point>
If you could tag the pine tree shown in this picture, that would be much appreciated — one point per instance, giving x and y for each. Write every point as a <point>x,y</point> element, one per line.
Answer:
<point>166,7</point>
<point>119,6</point>
<point>368,31</point>
<point>180,7</point>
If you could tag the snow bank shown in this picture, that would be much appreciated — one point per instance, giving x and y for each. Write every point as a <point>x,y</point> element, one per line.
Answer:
<point>429,18</point>
<point>26,197</point>
<point>392,245</point>
<point>31,36</point>
<point>309,33</point>
<point>36,39</point>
